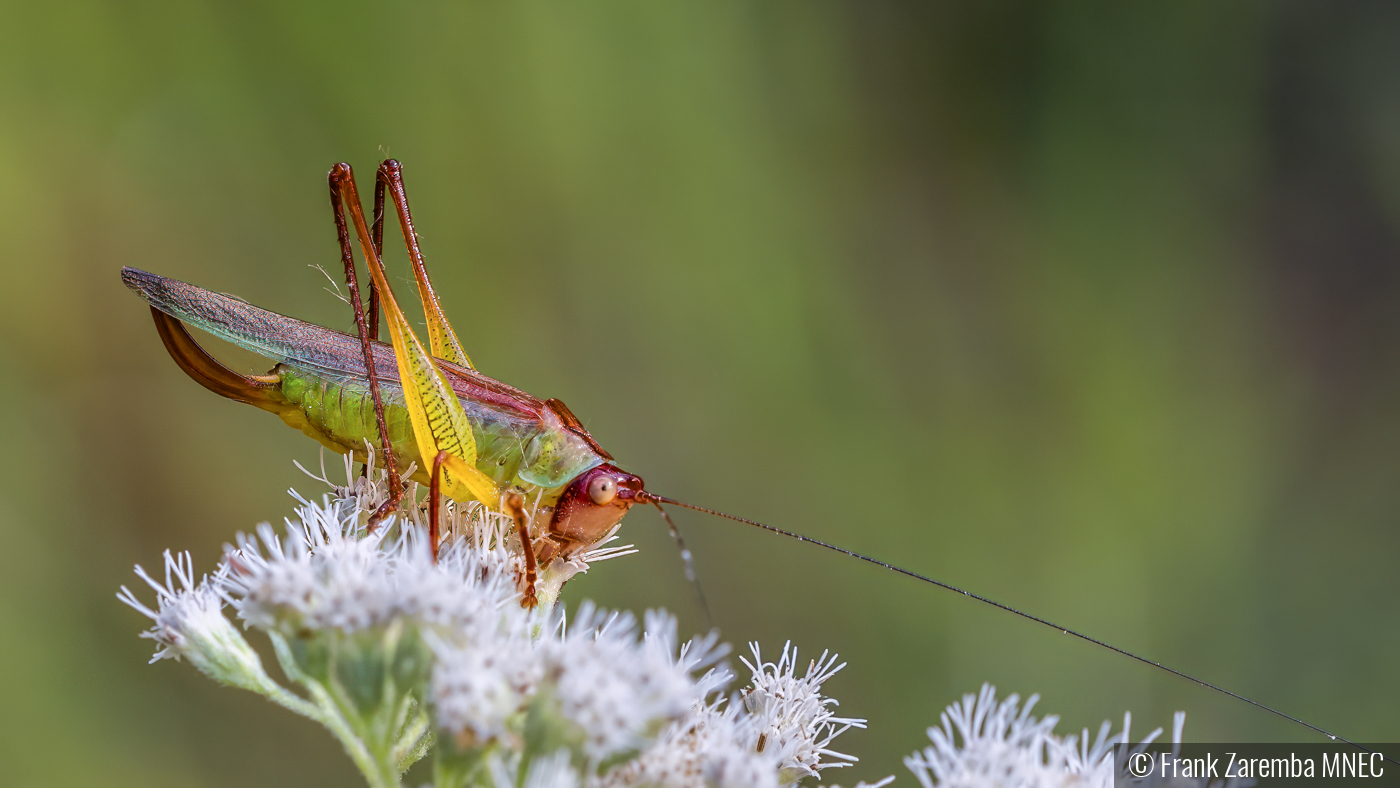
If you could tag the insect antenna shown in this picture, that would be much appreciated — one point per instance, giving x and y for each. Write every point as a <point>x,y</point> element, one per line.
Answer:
<point>689,561</point>
<point>658,500</point>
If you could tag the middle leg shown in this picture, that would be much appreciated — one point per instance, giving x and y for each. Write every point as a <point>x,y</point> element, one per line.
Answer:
<point>515,505</point>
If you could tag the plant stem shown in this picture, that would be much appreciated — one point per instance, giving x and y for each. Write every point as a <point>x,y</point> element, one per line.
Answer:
<point>378,772</point>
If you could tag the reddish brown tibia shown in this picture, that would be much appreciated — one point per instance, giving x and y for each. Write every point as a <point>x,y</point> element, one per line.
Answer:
<point>390,174</point>
<point>377,238</point>
<point>372,316</point>
<point>342,187</point>
<point>435,503</point>
<point>516,506</point>
<point>205,370</point>
<point>443,340</point>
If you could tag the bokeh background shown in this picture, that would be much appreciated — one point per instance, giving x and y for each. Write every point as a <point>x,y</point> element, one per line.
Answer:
<point>1089,309</point>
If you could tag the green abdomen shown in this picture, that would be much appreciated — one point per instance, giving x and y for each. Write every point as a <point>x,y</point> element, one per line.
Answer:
<point>339,412</point>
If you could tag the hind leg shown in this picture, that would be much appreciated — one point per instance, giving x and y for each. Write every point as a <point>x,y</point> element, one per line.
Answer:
<point>341,177</point>
<point>441,338</point>
<point>440,423</point>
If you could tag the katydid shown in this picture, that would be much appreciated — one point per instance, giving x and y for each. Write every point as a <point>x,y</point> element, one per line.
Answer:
<point>470,438</point>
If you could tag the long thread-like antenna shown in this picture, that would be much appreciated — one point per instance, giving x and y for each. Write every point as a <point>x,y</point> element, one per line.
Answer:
<point>658,499</point>
<point>689,561</point>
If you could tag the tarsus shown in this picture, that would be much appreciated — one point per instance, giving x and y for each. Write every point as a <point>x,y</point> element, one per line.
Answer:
<point>658,499</point>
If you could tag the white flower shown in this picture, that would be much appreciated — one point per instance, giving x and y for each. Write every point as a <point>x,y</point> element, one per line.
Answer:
<point>480,682</point>
<point>325,575</point>
<point>729,763</point>
<point>793,718</point>
<point>190,624</point>
<point>620,692</point>
<point>984,743</point>
<point>1001,744</point>
<point>546,771</point>
<point>709,748</point>
<point>550,771</point>
<point>609,689</point>
<point>777,735</point>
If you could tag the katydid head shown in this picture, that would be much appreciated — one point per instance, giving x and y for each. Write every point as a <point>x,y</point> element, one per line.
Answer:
<point>593,503</point>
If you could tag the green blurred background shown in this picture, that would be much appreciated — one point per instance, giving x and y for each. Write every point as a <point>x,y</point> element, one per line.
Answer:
<point>1090,309</point>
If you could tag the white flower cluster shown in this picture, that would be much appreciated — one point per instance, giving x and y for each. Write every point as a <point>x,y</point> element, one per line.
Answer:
<point>774,732</point>
<point>189,620</point>
<point>327,575</point>
<point>708,748</point>
<point>986,743</point>
<point>398,652</point>
<point>795,718</point>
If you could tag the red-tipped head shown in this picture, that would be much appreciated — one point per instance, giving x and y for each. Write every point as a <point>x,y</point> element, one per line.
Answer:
<point>593,503</point>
